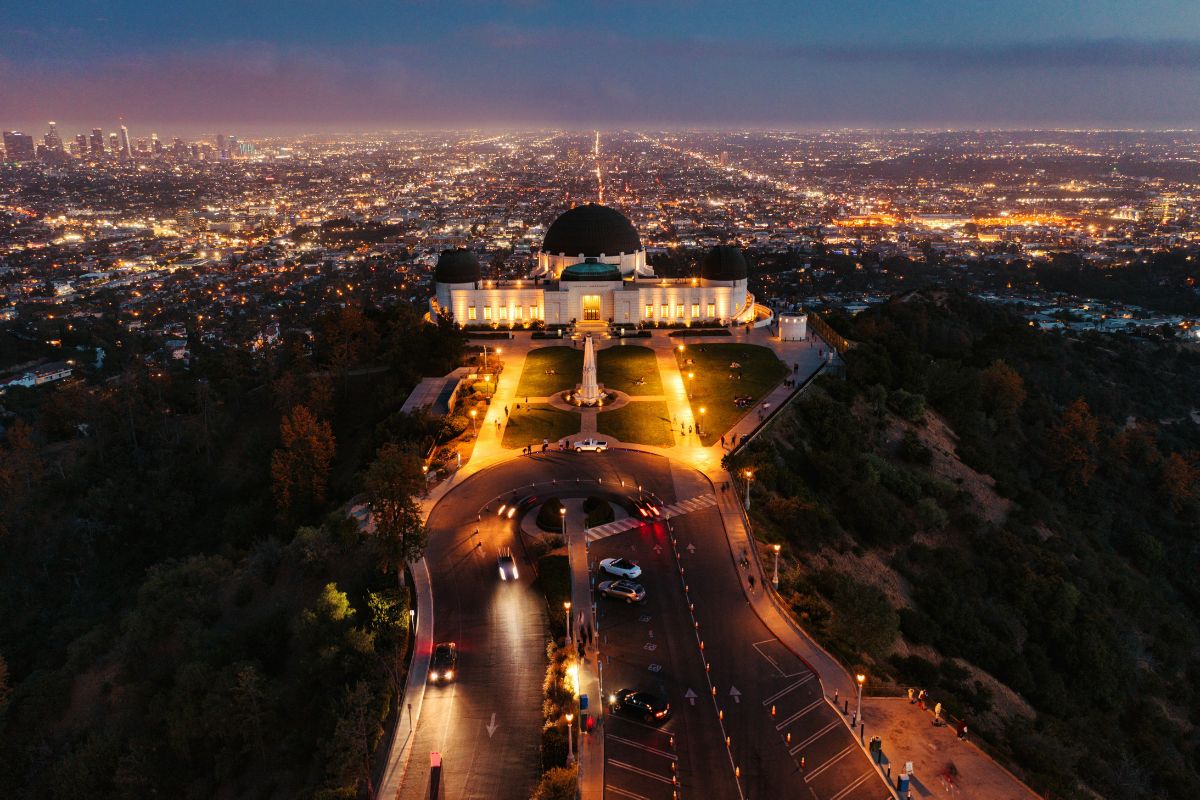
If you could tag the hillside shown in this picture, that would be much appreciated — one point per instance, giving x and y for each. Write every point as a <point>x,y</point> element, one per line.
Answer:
<point>1009,517</point>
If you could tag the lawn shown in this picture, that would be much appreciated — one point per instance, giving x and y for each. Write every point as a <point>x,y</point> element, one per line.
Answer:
<point>619,366</point>
<point>713,388</point>
<point>532,424</point>
<point>641,422</point>
<point>537,380</point>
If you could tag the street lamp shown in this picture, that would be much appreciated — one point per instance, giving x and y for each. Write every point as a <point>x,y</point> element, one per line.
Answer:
<point>487,381</point>
<point>570,633</point>
<point>473,413</point>
<point>749,475</point>
<point>412,618</point>
<point>570,739</point>
<point>860,679</point>
<point>700,426</point>
<point>776,578</point>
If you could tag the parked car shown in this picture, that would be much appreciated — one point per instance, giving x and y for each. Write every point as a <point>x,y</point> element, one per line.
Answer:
<point>628,591</point>
<point>590,445</point>
<point>644,705</point>
<point>507,564</point>
<point>444,664</point>
<point>621,568</point>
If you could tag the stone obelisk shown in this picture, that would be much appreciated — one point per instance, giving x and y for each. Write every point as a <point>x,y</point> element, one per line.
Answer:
<point>589,391</point>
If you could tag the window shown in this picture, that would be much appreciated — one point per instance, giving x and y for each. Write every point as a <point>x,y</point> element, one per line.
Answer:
<point>518,312</point>
<point>695,310</point>
<point>679,310</point>
<point>664,311</point>
<point>712,310</point>
<point>649,311</point>
<point>533,312</point>
<point>503,312</point>
<point>487,312</point>
<point>470,312</point>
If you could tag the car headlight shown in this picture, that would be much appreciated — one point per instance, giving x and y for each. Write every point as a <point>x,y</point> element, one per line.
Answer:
<point>433,676</point>
<point>503,577</point>
<point>515,576</point>
<point>450,675</point>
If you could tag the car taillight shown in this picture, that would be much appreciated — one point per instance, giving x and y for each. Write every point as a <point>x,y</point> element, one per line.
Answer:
<point>662,713</point>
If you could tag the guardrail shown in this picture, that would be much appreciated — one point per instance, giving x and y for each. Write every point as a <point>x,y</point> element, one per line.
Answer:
<point>773,413</point>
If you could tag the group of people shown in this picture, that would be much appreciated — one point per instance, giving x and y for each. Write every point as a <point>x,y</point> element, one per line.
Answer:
<point>743,400</point>
<point>920,697</point>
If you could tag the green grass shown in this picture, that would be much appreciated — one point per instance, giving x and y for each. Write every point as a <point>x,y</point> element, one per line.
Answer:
<point>532,424</point>
<point>714,391</point>
<point>567,363</point>
<point>618,367</point>
<point>640,422</point>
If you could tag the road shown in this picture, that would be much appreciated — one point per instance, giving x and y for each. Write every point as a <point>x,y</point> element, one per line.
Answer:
<point>500,630</point>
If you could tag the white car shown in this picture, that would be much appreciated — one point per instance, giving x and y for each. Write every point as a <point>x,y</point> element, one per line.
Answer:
<point>591,445</point>
<point>621,567</point>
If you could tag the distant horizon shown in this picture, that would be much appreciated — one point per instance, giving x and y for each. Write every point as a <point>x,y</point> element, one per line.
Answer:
<point>138,129</point>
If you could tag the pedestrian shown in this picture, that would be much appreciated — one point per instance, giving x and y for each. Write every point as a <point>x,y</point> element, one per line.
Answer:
<point>722,440</point>
<point>921,698</point>
<point>506,412</point>
<point>937,714</point>
<point>796,366</point>
<point>752,583</point>
<point>910,696</point>
<point>962,730</point>
<point>527,402</point>
<point>497,426</point>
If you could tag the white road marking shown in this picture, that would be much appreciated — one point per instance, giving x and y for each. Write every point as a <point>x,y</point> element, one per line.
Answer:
<point>861,780</point>
<point>800,713</point>
<point>608,787</point>
<point>814,737</point>
<point>641,746</point>
<point>638,770</point>
<point>788,689</point>
<point>812,775</point>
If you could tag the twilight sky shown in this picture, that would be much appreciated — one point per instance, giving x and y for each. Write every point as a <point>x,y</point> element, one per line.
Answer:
<point>263,66</point>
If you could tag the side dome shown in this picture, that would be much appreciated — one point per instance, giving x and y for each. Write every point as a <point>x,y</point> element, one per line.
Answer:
<point>593,230</point>
<point>724,263</point>
<point>457,266</point>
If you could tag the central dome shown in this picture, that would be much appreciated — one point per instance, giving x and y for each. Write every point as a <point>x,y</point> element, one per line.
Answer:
<point>592,230</point>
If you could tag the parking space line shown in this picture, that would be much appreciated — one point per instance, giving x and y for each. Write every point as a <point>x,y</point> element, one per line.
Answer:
<point>812,775</point>
<point>815,736</point>
<point>788,689</point>
<point>861,780</point>
<point>641,746</point>
<point>617,790</point>
<point>644,772</point>
<point>800,713</point>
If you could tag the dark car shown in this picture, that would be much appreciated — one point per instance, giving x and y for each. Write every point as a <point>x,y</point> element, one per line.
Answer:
<point>515,506</point>
<point>507,564</point>
<point>644,705</point>
<point>444,663</point>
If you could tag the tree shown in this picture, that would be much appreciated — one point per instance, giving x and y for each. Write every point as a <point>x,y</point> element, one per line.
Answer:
<point>300,468</point>
<point>1179,479</point>
<point>1073,444</point>
<point>1002,390</point>
<point>358,730</point>
<point>559,783</point>
<point>393,482</point>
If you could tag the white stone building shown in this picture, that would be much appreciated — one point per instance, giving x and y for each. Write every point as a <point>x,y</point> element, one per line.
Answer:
<point>592,270</point>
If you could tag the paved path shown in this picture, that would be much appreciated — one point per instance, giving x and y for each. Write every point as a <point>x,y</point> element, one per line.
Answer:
<point>908,734</point>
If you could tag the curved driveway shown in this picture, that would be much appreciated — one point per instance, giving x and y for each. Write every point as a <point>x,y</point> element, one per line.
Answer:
<point>487,724</point>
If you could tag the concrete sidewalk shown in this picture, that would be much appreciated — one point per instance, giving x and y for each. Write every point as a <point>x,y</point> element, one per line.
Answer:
<point>589,747</point>
<point>943,766</point>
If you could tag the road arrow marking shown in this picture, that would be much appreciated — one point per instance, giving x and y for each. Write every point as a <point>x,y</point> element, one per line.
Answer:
<point>691,548</point>
<point>657,549</point>
<point>491,726</point>
<point>690,695</point>
<point>735,694</point>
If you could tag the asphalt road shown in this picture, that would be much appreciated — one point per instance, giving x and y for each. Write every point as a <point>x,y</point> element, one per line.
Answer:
<point>500,631</point>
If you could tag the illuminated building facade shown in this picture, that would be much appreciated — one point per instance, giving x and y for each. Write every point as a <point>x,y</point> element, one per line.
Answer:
<point>591,271</point>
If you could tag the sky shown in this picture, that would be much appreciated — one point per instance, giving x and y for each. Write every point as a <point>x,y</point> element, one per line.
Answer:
<point>258,67</point>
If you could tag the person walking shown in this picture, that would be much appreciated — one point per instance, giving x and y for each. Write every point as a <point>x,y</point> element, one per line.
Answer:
<point>911,700</point>
<point>506,412</point>
<point>962,730</point>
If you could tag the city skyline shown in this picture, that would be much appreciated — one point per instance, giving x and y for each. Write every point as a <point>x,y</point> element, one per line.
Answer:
<point>277,70</point>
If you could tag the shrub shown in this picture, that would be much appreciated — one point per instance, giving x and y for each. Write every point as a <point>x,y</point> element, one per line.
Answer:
<point>549,517</point>
<point>913,450</point>
<point>598,510</point>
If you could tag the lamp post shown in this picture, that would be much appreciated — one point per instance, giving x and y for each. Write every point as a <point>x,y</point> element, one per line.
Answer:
<point>487,381</point>
<point>860,679</point>
<point>570,632</point>
<point>749,475</point>
<point>700,427</point>
<point>775,580</point>
<point>570,739</point>
<point>473,413</point>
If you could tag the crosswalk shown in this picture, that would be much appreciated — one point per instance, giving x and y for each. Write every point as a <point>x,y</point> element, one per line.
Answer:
<point>629,523</point>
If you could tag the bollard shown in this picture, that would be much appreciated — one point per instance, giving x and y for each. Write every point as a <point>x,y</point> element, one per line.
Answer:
<point>862,732</point>
<point>835,697</point>
<point>713,688</point>
<point>737,772</point>
<point>789,737</point>
<point>721,714</point>
<point>801,761</point>
<point>728,740</point>
<point>772,710</point>
<point>846,710</point>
